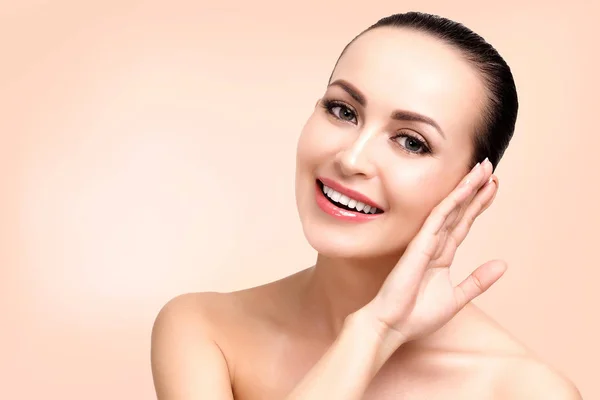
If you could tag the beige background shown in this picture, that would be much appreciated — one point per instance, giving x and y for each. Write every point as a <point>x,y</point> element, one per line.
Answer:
<point>147,149</point>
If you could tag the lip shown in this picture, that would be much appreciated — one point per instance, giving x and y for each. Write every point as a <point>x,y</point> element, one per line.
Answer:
<point>349,192</point>
<point>337,212</point>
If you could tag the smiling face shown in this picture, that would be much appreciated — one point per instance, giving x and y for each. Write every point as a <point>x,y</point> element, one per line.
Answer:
<point>394,129</point>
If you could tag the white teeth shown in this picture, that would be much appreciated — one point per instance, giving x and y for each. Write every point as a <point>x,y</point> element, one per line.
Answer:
<point>347,201</point>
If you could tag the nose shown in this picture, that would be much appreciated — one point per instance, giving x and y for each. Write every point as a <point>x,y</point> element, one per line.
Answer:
<point>354,159</point>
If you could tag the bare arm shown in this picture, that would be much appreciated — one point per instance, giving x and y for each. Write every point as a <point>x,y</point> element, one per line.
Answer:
<point>186,363</point>
<point>347,368</point>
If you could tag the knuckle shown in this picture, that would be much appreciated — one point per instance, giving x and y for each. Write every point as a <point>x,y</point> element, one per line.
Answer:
<point>476,282</point>
<point>471,218</point>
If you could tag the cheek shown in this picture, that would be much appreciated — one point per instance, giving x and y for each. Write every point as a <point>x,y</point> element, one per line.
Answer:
<point>309,152</point>
<point>318,141</point>
<point>415,189</point>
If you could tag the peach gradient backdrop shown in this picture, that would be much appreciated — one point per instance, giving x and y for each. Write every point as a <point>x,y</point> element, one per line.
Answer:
<point>147,149</point>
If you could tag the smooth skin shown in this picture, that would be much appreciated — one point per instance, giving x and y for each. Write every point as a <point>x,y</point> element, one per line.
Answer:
<point>377,316</point>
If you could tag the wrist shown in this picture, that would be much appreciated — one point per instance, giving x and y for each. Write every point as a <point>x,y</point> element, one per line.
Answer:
<point>372,332</point>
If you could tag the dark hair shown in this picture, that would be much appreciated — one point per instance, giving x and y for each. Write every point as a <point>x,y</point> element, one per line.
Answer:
<point>499,116</point>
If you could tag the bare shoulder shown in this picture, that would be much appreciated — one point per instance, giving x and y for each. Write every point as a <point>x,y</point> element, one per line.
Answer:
<point>530,378</point>
<point>197,337</point>
<point>214,314</point>
<point>193,318</point>
<point>522,374</point>
<point>518,373</point>
<point>199,308</point>
<point>195,312</point>
<point>187,362</point>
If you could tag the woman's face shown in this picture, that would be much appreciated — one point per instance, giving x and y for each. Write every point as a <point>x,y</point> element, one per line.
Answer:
<point>393,130</point>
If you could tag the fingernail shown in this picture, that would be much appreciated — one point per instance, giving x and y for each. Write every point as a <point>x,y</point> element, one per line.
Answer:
<point>486,160</point>
<point>468,180</point>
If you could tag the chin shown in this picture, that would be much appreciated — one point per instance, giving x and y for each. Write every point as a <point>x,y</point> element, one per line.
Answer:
<point>342,234</point>
<point>334,245</point>
<point>338,239</point>
<point>339,242</point>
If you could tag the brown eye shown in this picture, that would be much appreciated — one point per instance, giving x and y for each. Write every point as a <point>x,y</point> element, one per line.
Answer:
<point>345,113</point>
<point>339,111</point>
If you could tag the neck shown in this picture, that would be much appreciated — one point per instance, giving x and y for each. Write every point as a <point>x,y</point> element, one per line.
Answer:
<point>338,287</point>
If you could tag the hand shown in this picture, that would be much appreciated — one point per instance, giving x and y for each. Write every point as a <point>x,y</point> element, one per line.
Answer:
<point>417,297</point>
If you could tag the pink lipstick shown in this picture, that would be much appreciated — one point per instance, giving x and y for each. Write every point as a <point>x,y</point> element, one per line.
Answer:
<point>349,212</point>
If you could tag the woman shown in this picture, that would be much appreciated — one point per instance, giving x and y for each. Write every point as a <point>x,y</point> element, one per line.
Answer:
<point>393,166</point>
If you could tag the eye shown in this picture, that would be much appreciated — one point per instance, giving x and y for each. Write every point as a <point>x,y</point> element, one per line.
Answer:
<point>339,110</point>
<point>411,143</point>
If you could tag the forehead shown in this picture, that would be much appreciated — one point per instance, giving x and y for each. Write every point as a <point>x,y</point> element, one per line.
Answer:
<point>399,68</point>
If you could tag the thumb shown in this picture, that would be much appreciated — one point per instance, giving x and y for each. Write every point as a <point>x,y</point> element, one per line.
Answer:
<point>479,281</point>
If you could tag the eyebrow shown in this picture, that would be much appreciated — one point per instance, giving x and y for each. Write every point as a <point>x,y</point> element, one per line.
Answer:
<point>400,115</point>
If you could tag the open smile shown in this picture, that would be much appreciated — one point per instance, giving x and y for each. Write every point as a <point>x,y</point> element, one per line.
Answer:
<point>344,203</point>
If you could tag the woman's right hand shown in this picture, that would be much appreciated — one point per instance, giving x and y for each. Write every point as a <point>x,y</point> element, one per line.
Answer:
<point>418,297</point>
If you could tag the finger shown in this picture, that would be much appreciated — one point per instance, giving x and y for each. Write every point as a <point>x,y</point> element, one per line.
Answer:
<point>439,215</point>
<point>489,203</point>
<point>447,253</point>
<point>487,174</point>
<point>442,243</point>
<point>478,282</point>
<point>475,209</point>
<point>454,239</point>
<point>409,271</point>
<point>457,215</point>
<point>453,219</point>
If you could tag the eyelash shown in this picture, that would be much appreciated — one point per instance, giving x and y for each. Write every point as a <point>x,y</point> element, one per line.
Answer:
<point>328,105</point>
